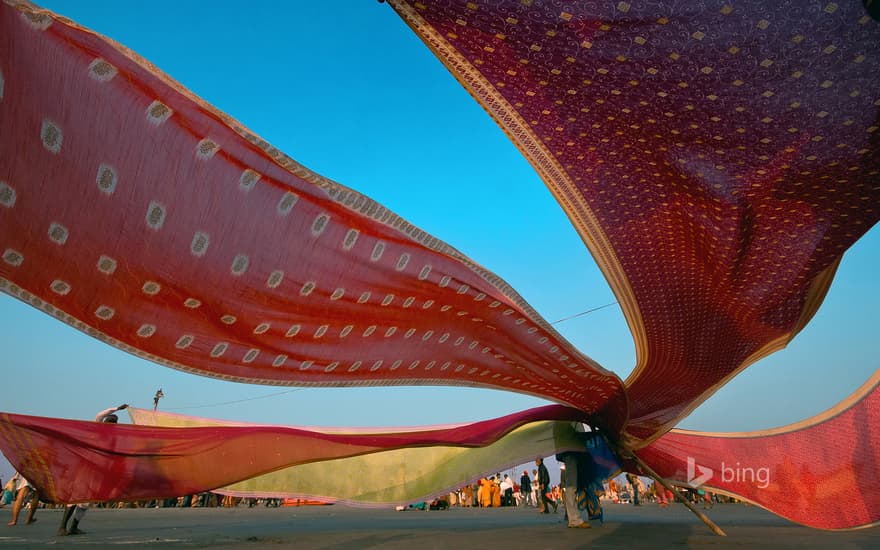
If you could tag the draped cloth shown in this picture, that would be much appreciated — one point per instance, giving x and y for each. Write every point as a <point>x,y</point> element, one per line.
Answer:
<point>139,214</point>
<point>405,474</point>
<point>74,461</point>
<point>819,472</point>
<point>716,159</point>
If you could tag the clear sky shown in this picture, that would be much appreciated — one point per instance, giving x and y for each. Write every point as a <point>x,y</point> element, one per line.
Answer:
<point>346,89</point>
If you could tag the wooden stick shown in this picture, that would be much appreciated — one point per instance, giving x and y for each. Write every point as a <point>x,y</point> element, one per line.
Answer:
<point>717,530</point>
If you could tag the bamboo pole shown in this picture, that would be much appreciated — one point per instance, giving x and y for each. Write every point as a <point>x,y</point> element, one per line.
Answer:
<point>717,530</point>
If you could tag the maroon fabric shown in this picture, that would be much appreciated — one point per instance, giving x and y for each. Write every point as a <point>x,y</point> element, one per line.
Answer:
<point>716,157</point>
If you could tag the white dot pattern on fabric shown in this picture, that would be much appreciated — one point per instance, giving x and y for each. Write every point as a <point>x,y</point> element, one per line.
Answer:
<point>58,233</point>
<point>158,112</point>
<point>106,179</point>
<point>320,224</point>
<point>105,312</point>
<point>239,265</point>
<point>206,149</point>
<point>199,244</point>
<point>184,341</point>
<point>7,195</point>
<point>350,239</point>
<point>106,265</point>
<point>219,349</point>
<point>248,179</point>
<point>60,287</point>
<point>151,287</point>
<point>307,288</point>
<point>101,70</point>
<point>287,202</point>
<point>275,279</point>
<point>155,215</point>
<point>52,136</point>
<point>402,262</point>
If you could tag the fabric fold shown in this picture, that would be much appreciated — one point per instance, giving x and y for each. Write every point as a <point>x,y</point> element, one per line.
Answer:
<point>75,461</point>
<point>819,472</point>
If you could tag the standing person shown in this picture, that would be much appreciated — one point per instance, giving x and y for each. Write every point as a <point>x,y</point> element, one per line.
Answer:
<point>544,487</point>
<point>77,511</point>
<point>506,488</point>
<point>23,488</point>
<point>635,482</point>
<point>495,491</point>
<point>569,490</point>
<point>485,492</point>
<point>536,489</point>
<point>525,487</point>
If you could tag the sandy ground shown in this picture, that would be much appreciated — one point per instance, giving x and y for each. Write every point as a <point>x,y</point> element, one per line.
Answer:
<point>337,527</point>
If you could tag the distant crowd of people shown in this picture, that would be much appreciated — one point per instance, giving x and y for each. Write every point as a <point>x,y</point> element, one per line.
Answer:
<point>500,491</point>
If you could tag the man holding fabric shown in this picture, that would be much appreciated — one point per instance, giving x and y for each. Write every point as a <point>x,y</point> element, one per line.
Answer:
<point>77,511</point>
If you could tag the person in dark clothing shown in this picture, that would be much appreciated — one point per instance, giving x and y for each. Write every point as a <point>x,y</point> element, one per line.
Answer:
<point>634,482</point>
<point>525,488</point>
<point>544,500</point>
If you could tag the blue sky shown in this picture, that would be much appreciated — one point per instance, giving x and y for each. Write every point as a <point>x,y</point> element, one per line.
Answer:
<point>349,91</point>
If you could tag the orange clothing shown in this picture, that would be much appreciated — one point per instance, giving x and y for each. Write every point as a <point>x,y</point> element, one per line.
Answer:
<point>485,493</point>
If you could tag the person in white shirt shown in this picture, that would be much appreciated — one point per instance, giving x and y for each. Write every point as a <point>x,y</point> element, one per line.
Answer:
<point>506,491</point>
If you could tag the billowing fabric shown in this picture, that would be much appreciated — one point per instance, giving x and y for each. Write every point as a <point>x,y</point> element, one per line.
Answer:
<point>821,472</point>
<point>76,461</point>
<point>716,157</point>
<point>142,216</point>
<point>395,476</point>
